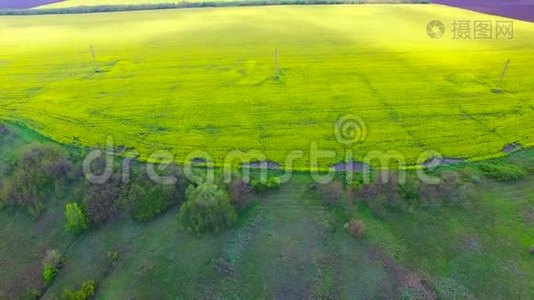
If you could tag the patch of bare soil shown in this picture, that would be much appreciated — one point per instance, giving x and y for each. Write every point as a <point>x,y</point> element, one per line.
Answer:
<point>198,161</point>
<point>350,167</point>
<point>262,164</point>
<point>512,147</point>
<point>444,161</point>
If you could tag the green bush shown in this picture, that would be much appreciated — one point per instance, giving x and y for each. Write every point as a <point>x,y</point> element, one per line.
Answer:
<point>146,205</point>
<point>37,173</point>
<point>49,274</point>
<point>261,186</point>
<point>86,291</point>
<point>52,263</point>
<point>76,219</point>
<point>409,192</point>
<point>207,209</point>
<point>502,172</point>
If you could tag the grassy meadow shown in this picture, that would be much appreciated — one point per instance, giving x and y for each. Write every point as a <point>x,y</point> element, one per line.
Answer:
<point>288,244</point>
<point>203,79</point>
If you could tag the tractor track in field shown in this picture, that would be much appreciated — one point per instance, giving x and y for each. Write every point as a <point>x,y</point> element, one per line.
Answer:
<point>479,122</point>
<point>393,113</point>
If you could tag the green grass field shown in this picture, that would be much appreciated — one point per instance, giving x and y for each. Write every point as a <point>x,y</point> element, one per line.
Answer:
<point>290,244</point>
<point>185,80</point>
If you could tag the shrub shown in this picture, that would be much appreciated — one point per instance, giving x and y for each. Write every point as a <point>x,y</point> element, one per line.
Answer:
<point>149,204</point>
<point>409,192</point>
<point>36,174</point>
<point>76,219</point>
<point>273,183</point>
<point>383,193</point>
<point>331,192</point>
<point>356,228</point>
<point>379,205</point>
<point>207,209</point>
<point>450,188</point>
<point>239,192</point>
<point>502,172</point>
<point>113,256</point>
<point>531,250</point>
<point>48,275</point>
<point>86,291</point>
<point>145,199</point>
<point>386,183</point>
<point>261,186</point>
<point>101,202</point>
<point>449,191</point>
<point>52,263</point>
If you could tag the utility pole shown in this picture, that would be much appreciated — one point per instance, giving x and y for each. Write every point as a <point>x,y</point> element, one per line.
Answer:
<point>504,72</point>
<point>276,67</point>
<point>94,57</point>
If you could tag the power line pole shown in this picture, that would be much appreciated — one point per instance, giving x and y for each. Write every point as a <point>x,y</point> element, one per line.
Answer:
<point>276,67</point>
<point>504,72</point>
<point>94,57</point>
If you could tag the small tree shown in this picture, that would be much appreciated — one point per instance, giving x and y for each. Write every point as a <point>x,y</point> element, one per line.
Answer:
<point>52,263</point>
<point>262,186</point>
<point>151,203</point>
<point>332,192</point>
<point>101,202</point>
<point>240,193</point>
<point>76,219</point>
<point>36,174</point>
<point>356,228</point>
<point>86,291</point>
<point>207,209</point>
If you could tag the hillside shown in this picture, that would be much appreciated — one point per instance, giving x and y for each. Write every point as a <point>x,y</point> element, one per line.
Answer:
<point>289,243</point>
